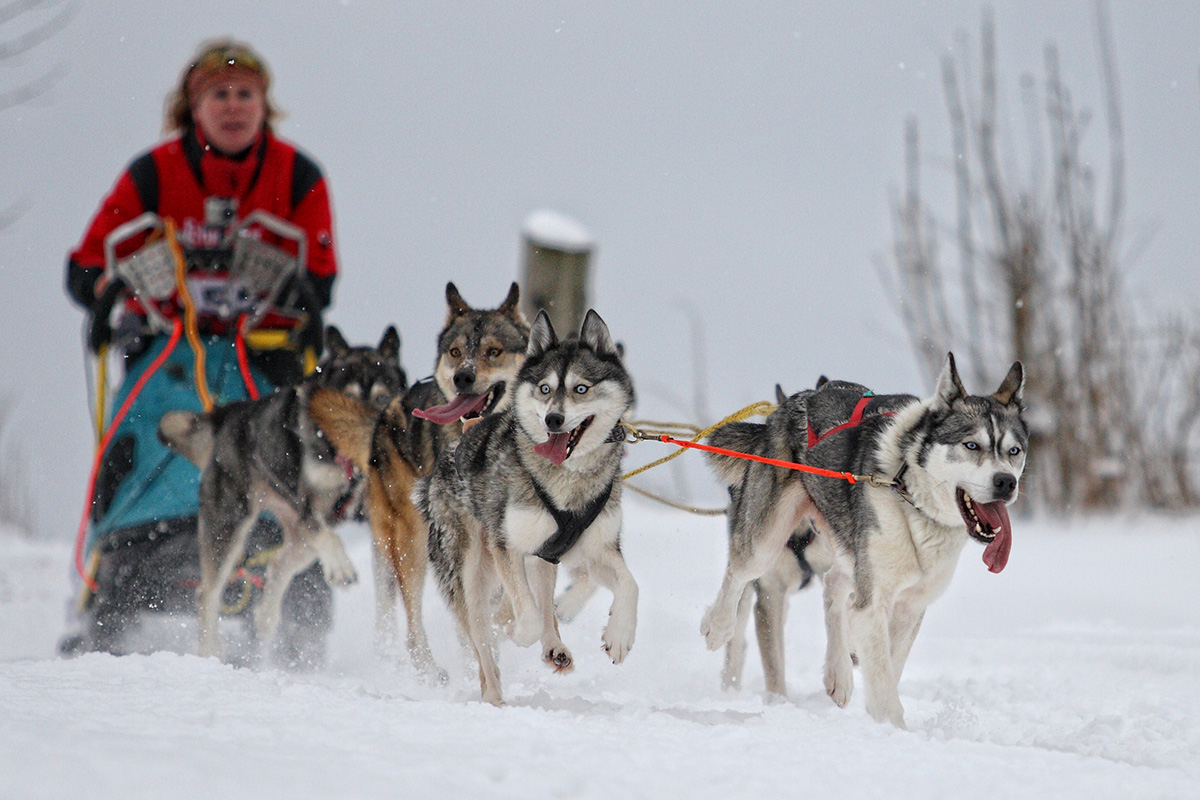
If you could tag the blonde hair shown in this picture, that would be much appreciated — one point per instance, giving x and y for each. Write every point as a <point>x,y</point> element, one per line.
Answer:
<point>212,57</point>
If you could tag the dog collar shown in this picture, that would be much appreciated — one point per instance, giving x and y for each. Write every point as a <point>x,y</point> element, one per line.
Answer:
<point>899,488</point>
<point>617,434</point>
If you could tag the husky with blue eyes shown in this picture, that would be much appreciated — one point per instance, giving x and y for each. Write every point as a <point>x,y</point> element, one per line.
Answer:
<point>945,469</point>
<point>533,486</point>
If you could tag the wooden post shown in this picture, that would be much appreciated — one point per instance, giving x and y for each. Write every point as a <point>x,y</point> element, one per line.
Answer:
<point>557,252</point>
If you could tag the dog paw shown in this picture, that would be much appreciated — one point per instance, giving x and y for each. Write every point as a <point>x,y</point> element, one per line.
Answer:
<point>559,658</point>
<point>888,711</point>
<point>839,684</point>
<point>339,572</point>
<point>524,630</point>
<point>618,640</point>
<point>434,677</point>
<point>716,628</point>
<point>428,672</point>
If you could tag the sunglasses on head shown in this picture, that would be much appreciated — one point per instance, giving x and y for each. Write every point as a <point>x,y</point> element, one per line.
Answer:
<point>225,57</point>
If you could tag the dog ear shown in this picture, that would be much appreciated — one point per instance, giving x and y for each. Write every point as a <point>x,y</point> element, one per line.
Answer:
<point>335,343</point>
<point>389,345</point>
<point>511,307</point>
<point>455,302</point>
<point>541,335</point>
<point>781,396</point>
<point>821,381</point>
<point>1012,389</point>
<point>949,385</point>
<point>594,334</point>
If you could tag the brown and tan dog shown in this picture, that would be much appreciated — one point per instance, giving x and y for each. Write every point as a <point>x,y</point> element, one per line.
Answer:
<point>479,355</point>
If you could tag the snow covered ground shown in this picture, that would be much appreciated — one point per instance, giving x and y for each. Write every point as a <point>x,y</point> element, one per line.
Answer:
<point>1073,674</point>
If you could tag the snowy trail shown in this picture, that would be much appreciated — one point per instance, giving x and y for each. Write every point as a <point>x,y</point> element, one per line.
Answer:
<point>1072,674</point>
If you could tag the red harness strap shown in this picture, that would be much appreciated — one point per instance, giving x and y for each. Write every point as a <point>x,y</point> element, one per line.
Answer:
<point>855,420</point>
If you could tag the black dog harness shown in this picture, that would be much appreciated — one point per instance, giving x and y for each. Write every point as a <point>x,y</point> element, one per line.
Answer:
<point>571,524</point>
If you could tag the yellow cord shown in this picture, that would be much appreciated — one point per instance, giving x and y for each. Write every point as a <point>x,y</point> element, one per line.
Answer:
<point>760,409</point>
<point>190,324</point>
<point>101,392</point>
<point>704,512</point>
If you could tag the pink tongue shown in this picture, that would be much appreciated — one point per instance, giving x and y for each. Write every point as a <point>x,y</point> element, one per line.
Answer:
<point>554,448</point>
<point>453,411</point>
<point>995,516</point>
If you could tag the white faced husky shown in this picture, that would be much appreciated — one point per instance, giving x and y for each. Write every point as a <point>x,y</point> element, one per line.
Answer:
<point>954,462</point>
<point>533,485</point>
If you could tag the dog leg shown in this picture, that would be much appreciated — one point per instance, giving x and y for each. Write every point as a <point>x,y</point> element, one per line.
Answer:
<point>610,570</point>
<point>572,601</point>
<point>753,549</point>
<point>385,593</point>
<point>295,557</point>
<point>869,629</point>
<point>411,559</point>
<point>223,532</point>
<point>335,562</point>
<point>526,627</point>
<point>542,577</point>
<point>475,620</point>
<point>839,669</point>
<point>906,621</point>
<point>735,651</point>
<point>770,614</point>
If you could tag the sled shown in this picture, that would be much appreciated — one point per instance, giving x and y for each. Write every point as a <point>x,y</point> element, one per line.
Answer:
<point>205,314</point>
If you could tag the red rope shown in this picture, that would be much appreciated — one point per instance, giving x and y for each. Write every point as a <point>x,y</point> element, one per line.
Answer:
<point>243,360</point>
<point>828,473</point>
<point>176,332</point>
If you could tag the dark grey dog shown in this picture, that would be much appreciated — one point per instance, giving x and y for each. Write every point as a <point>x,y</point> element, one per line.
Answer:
<point>267,455</point>
<point>952,462</point>
<point>533,485</point>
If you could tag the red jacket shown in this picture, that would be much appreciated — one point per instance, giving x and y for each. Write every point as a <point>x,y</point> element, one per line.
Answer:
<point>178,177</point>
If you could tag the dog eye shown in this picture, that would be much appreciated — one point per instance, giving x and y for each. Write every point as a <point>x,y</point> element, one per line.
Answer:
<point>1014,451</point>
<point>455,352</point>
<point>971,445</point>
<point>544,388</point>
<point>581,389</point>
<point>494,353</point>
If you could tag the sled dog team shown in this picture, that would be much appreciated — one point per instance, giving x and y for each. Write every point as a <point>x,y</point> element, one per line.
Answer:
<point>507,462</point>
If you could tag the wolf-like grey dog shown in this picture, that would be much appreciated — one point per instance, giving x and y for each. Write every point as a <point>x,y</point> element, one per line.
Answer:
<point>267,455</point>
<point>952,461</point>
<point>479,353</point>
<point>793,569</point>
<point>532,486</point>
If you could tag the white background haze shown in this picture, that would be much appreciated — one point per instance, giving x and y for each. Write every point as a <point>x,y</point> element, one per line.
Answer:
<point>735,164</point>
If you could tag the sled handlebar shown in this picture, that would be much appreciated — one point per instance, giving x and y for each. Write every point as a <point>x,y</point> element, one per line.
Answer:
<point>258,271</point>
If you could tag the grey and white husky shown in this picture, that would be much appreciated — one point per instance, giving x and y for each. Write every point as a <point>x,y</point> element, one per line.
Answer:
<point>532,486</point>
<point>953,462</point>
<point>268,455</point>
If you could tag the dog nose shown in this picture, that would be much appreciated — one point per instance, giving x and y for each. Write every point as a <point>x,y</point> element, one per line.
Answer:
<point>1005,484</point>
<point>554,421</point>
<point>464,380</point>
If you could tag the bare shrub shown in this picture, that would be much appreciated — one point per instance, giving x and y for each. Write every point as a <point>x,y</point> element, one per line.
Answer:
<point>1113,402</point>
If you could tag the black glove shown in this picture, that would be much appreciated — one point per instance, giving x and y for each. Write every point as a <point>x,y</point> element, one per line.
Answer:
<point>303,298</point>
<point>99,328</point>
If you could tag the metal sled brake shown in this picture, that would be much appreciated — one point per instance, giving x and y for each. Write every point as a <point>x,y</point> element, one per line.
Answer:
<point>201,342</point>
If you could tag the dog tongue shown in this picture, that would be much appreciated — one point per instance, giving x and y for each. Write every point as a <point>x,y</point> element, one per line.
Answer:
<point>554,448</point>
<point>995,516</point>
<point>453,411</point>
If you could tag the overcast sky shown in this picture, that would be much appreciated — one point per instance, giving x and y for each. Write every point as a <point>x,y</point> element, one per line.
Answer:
<point>733,162</point>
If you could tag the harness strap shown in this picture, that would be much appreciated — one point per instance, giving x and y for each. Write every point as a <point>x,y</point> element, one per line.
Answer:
<point>856,418</point>
<point>88,573</point>
<point>571,524</point>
